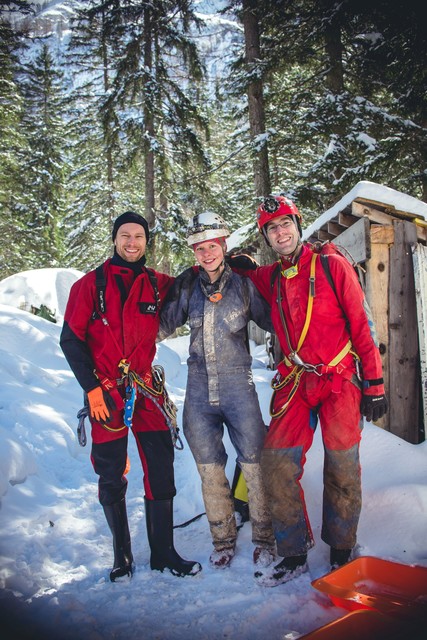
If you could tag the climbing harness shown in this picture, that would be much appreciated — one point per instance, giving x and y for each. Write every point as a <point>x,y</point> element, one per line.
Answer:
<point>293,357</point>
<point>156,392</point>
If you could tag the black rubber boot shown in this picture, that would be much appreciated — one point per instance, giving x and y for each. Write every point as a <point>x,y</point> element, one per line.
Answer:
<point>339,557</point>
<point>118,522</point>
<point>159,516</point>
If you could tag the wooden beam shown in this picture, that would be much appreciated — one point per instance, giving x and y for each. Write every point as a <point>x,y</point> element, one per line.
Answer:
<point>334,229</point>
<point>345,219</point>
<point>381,235</point>
<point>355,240</point>
<point>387,216</point>
<point>374,215</point>
<point>377,286</point>
<point>323,235</point>
<point>389,209</point>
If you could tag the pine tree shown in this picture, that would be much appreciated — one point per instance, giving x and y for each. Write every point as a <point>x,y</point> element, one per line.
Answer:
<point>146,121</point>
<point>156,88</point>
<point>95,190</point>
<point>44,164</point>
<point>335,98</point>
<point>13,143</point>
<point>391,65</point>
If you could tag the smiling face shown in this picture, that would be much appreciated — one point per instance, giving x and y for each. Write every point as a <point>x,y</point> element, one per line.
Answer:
<point>210,256</point>
<point>283,235</point>
<point>130,242</point>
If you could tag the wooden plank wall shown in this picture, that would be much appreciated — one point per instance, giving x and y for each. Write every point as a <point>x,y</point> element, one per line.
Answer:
<point>419,257</point>
<point>376,290</point>
<point>404,365</point>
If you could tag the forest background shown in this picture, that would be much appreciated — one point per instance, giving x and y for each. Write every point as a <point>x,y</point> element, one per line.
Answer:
<point>173,107</point>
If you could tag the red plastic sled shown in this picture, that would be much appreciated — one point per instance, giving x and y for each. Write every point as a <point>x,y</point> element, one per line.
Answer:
<point>387,587</point>
<point>364,624</point>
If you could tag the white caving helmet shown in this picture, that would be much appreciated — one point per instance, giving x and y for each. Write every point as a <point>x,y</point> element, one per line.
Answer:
<point>206,226</point>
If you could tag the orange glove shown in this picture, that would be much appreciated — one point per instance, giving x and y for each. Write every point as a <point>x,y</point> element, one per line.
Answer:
<point>97,405</point>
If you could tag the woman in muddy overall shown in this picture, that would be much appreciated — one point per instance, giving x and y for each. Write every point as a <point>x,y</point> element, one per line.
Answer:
<point>218,305</point>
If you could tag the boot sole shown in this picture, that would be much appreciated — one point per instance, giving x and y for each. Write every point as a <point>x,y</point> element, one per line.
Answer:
<point>273,580</point>
<point>122,572</point>
<point>193,570</point>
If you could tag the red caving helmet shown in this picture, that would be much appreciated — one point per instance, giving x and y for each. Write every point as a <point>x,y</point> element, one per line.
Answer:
<point>276,206</point>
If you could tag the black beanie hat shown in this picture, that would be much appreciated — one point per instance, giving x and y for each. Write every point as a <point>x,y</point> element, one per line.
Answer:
<point>130,216</point>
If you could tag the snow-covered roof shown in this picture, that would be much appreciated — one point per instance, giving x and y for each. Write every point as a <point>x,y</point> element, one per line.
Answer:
<point>374,192</point>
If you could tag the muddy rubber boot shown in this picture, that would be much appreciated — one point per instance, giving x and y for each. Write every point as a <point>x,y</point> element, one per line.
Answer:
<point>116,516</point>
<point>159,518</point>
<point>339,557</point>
<point>259,514</point>
<point>219,507</point>
<point>286,570</point>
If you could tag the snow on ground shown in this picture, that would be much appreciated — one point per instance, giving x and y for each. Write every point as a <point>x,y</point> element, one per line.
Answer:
<point>55,547</point>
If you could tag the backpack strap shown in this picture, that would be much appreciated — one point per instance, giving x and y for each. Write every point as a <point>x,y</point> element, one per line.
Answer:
<point>153,279</point>
<point>100,283</point>
<point>275,274</point>
<point>326,268</point>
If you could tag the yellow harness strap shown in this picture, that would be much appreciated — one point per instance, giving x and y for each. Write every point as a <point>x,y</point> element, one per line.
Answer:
<point>341,354</point>
<point>309,306</point>
<point>297,371</point>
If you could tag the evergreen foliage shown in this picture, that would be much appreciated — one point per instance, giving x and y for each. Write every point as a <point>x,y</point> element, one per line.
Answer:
<point>145,126</point>
<point>341,103</point>
<point>43,165</point>
<point>13,143</point>
<point>130,118</point>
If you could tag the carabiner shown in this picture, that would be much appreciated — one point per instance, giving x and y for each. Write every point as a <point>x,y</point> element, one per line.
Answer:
<point>129,405</point>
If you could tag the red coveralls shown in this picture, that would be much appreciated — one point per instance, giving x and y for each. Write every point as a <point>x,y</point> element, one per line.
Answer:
<point>94,348</point>
<point>332,397</point>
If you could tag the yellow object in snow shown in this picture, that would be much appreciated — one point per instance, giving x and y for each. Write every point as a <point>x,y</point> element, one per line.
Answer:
<point>241,490</point>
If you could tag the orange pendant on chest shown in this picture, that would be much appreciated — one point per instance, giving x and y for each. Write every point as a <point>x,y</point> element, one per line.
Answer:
<point>215,297</point>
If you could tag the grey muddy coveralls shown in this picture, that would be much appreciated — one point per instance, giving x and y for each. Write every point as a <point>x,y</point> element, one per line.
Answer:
<point>220,391</point>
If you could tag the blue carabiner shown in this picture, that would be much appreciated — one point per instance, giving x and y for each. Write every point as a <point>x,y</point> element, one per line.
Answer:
<point>129,405</point>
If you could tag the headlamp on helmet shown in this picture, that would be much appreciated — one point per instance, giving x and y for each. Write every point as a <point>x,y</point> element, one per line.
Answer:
<point>270,204</point>
<point>206,226</point>
<point>276,206</point>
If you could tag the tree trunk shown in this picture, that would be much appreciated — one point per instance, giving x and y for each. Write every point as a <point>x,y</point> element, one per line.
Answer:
<point>334,80</point>
<point>255,98</point>
<point>256,111</point>
<point>108,151</point>
<point>148,121</point>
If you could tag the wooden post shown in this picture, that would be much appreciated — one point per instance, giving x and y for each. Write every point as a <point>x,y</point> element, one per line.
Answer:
<point>419,256</point>
<point>377,287</point>
<point>404,365</point>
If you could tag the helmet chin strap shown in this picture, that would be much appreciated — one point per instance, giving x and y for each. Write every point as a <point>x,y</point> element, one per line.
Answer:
<point>217,270</point>
<point>293,257</point>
